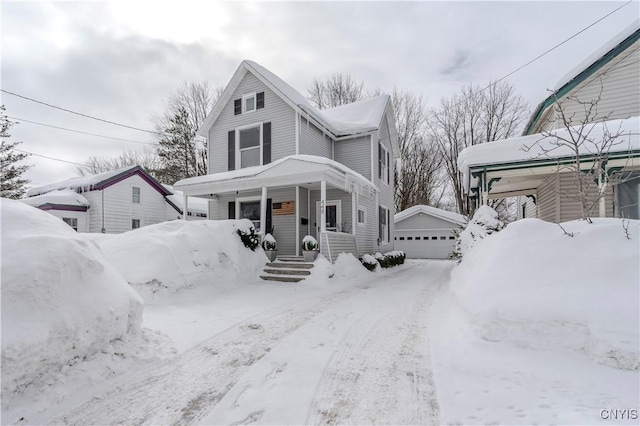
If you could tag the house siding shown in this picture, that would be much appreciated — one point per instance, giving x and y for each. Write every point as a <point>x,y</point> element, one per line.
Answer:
<point>386,197</point>
<point>367,235</point>
<point>355,154</point>
<point>617,85</point>
<point>313,141</point>
<point>276,111</point>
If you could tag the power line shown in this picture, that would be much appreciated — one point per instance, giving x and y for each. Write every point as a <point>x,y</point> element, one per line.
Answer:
<point>79,113</point>
<point>47,157</point>
<point>79,131</point>
<point>558,45</point>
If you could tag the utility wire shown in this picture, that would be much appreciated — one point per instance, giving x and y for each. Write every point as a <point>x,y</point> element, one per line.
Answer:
<point>79,131</point>
<point>80,114</point>
<point>49,158</point>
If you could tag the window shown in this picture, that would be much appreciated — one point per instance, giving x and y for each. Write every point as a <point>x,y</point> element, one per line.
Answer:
<point>443,238</point>
<point>135,195</point>
<point>135,223</point>
<point>452,238</point>
<point>249,103</point>
<point>383,163</point>
<point>383,225</point>
<point>72,222</point>
<point>434,238</point>
<point>249,146</point>
<point>361,217</point>
<point>409,238</point>
<point>401,238</point>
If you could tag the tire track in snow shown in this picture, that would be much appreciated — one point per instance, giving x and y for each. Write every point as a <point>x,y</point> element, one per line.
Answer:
<point>183,389</point>
<point>381,372</point>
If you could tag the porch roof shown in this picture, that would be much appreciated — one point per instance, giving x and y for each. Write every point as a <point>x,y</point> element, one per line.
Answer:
<point>293,170</point>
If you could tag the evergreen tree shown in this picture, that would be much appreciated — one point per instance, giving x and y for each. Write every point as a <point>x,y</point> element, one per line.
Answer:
<point>12,184</point>
<point>177,150</point>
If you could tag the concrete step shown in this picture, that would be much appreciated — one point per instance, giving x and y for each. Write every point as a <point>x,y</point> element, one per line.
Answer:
<point>293,265</point>
<point>282,278</point>
<point>291,258</point>
<point>282,271</point>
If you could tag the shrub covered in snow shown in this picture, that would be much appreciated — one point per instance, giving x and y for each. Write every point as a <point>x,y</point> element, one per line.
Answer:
<point>532,287</point>
<point>484,222</point>
<point>309,243</point>
<point>166,257</point>
<point>387,260</point>
<point>269,243</point>
<point>369,262</point>
<point>249,237</point>
<point>61,298</point>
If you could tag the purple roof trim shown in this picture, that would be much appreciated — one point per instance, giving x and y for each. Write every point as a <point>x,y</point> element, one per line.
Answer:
<point>66,207</point>
<point>137,170</point>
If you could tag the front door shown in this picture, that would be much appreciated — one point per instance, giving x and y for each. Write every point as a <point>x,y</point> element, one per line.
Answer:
<point>333,216</point>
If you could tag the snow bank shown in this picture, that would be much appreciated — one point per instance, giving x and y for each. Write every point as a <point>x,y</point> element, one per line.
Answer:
<point>169,256</point>
<point>533,287</point>
<point>61,299</point>
<point>484,222</point>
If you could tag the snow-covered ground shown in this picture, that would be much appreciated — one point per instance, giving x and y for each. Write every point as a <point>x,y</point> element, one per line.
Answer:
<point>532,327</point>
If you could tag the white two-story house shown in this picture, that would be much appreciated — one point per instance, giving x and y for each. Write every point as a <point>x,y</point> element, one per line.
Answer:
<point>295,170</point>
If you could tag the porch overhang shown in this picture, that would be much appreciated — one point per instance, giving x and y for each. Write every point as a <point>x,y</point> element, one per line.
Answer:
<point>296,170</point>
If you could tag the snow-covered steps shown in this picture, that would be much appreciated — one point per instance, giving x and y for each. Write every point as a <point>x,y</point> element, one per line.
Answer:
<point>287,269</point>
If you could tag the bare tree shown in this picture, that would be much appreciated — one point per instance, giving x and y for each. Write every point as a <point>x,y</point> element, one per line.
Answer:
<point>470,117</point>
<point>339,89</point>
<point>196,99</point>
<point>146,158</point>
<point>418,178</point>
<point>585,136</point>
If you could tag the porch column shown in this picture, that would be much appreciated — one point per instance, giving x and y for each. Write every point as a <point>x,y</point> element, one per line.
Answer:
<point>323,209</point>
<point>263,212</point>
<point>602,187</point>
<point>185,203</point>
<point>297,216</point>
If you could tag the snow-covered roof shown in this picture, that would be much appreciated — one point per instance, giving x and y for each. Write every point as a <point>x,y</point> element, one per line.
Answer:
<point>283,170</point>
<point>346,120</point>
<point>196,204</point>
<point>543,147</point>
<point>98,181</point>
<point>64,197</point>
<point>431,211</point>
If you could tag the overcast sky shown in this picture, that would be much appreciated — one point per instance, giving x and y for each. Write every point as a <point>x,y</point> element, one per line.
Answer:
<point>119,60</point>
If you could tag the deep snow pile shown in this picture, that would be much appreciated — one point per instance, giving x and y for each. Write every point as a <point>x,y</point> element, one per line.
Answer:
<point>532,286</point>
<point>484,222</point>
<point>170,256</point>
<point>61,299</point>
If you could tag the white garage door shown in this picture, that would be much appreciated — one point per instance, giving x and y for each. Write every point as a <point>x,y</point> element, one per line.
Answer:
<point>436,244</point>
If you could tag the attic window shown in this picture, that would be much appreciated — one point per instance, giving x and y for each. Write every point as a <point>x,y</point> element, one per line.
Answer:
<point>248,103</point>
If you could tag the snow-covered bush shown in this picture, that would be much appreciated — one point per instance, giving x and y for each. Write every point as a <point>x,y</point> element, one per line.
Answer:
<point>390,259</point>
<point>484,222</point>
<point>309,243</point>
<point>269,243</point>
<point>62,300</point>
<point>369,262</point>
<point>249,237</point>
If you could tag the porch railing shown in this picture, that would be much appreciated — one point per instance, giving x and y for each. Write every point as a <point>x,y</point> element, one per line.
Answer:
<point>333,243</point>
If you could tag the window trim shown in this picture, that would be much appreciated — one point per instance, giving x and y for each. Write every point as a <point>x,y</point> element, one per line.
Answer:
<point>70,222</point>
<point>259,124</point>
<point>139,224</point>
<point>386,169</point>
<point>244,103</point>
<point>386,232</point>
<point>338,205</point>
<point>364,216</point>
<point>133,194</point>
<point>241,200</point>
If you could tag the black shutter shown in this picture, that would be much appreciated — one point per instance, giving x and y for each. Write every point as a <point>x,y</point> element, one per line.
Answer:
<point>388,225</point>
<point>237,107</point>
<point>379,161</point>
<point>388,166</point>
<point>232,150</point>
<point>266,143</point>
<point>268,229</point>
<point>232,209</point>
<point>260,100</point>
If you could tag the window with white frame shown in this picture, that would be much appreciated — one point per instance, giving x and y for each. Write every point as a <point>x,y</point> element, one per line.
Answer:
<point>383,224</point>
<point>135,223</point>
<point>135,194</point>
<point>361,216</point>
<point>72,222</point>
<point>383,163</point>
<point>249,141</point>
<point>249,103</point>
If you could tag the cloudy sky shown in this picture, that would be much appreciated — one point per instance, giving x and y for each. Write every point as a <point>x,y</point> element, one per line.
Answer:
<point>119,60</point>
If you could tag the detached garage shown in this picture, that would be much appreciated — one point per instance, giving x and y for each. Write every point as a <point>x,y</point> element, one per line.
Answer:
<point>424,232</point>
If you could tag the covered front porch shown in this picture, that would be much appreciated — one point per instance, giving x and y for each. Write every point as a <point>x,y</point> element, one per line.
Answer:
<point>291,198</point>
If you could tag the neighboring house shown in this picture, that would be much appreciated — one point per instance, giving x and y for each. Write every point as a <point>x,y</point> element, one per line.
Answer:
<point>110,202</point>
<point>295,170</point>
<point>425,232</point>
<point>610,79</point>
<point>198,207</point>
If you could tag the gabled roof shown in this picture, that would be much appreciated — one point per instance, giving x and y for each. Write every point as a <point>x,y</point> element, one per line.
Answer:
<point>100,181</point>
<point>587,68</point>
<point>452,217</point>
<point>65,199</point>
<point>343,121</point>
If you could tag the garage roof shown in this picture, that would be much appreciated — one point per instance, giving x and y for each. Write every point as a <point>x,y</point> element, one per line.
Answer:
<point>455,218</point>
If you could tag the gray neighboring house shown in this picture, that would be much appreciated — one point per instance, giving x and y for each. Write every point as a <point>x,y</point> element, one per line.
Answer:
<point>295,170</point>
<point>425,232</point>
